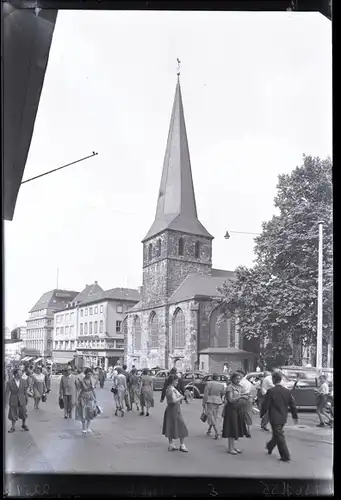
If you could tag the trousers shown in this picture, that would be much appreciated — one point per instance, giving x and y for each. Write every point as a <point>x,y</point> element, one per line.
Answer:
<point>278,439</point>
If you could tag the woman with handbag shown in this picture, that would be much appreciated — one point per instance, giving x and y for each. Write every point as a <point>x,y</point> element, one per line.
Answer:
<point>212,403</point>
<point>39,387</point>
<point>174,426</point>
<point>234,426</point>
<point>86,406</point>
<point>147,394</point>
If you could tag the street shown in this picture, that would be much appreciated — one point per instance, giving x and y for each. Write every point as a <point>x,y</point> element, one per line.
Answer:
<point>134,445</point>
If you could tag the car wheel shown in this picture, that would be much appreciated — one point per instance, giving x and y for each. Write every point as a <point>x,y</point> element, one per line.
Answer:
<point>194,392</point>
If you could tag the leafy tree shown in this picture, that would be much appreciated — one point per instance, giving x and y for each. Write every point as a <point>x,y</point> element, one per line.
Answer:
<point>276,300</point>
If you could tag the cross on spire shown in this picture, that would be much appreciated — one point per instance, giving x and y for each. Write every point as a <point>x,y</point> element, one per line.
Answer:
<point>178,68</point>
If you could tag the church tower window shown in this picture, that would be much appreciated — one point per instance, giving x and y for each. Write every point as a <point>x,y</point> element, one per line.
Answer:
<point>150,251</point>
<point>181,246</point>
<point>137,333</point>
<point>158,252</point>
<point>179,335</point>
<point>153,331</point>
<point>197,249</point>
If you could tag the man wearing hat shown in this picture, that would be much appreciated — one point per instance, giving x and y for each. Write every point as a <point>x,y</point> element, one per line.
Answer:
<point>180,385</point>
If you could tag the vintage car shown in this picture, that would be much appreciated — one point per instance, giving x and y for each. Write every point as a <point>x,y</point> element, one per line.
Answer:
<point>198,387</point>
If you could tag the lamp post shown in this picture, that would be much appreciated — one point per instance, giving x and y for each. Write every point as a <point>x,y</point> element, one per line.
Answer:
<point>319,302</point>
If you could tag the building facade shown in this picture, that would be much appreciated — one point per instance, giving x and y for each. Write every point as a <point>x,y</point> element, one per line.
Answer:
<point>177,320</point>
<point>90,331</point>
<point>39,329</point>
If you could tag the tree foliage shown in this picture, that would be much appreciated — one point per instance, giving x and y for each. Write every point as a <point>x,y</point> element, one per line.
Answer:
<point>276,300</point>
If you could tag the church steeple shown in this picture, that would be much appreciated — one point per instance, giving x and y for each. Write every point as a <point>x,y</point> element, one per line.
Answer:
<point>176,207</point>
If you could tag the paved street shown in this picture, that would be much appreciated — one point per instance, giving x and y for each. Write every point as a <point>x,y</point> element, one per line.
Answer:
<point>134,445</point>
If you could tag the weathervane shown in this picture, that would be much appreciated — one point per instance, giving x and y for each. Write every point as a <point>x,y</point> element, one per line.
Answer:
<point>178,69</point>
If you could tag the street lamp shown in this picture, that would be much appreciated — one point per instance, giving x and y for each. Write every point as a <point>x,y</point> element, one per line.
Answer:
<point>319,301</point>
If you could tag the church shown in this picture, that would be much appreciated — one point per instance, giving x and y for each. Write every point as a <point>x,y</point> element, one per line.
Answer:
<point>176,322</point>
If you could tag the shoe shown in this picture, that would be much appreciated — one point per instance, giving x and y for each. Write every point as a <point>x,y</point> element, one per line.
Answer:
<point>147,414</point>
<point>232,452</point>
<point>287,460</point>
<point>70,416</point>
<point>172,447</point>
<point>330,423</point>
<point>268,450</point>
<point>320,425</point>
<point>25,428</point>
<point>141,414</point>
<point>183,448</point>
<point>248,436</point>
<point>11,430</point>
<point>65,416</point>
<point>238,451</point>
<point>265,428</point>
<point>84,432</point>
<point>89,431</point>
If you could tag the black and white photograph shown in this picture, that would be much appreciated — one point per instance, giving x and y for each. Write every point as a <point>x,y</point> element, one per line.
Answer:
<point>168,243</point>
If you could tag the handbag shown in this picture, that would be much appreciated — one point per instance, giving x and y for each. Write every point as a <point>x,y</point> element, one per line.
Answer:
<point>114,390</point>
<point>30,393</point>
<point>44,398</point>
<point>203,417</point>
<point>61,403</point>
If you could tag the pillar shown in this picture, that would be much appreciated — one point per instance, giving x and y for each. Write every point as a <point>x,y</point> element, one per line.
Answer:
<point>106,364</point>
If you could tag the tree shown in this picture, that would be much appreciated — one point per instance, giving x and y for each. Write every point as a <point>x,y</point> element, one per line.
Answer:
<point>276,300</point>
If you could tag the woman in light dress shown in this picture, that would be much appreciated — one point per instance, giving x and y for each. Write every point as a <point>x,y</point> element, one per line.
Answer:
<point>212,404</point>
<point>234,426</point>
<point>86,406</point>
<point>174,426</point>
<point>147,394</point>
<point>134,389</point>
<point>119,389</point>
<point>38,386</point>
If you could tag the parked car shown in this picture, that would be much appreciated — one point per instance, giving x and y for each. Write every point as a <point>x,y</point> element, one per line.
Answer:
<point>159,379</point>
<point>198,387</point>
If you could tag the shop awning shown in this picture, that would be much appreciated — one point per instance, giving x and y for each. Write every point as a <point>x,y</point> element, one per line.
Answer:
<point>27,358</point>
<point>63,361</point>
<point>37,360</point>
<point>26,46</point>
<point>228,351</point>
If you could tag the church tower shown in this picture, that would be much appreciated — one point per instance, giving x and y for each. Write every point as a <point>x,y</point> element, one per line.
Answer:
<point>177,244</point>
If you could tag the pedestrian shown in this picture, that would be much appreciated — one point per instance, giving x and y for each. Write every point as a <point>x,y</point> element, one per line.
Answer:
<point>134,388</point>
<point>16,398</point>
<point>48,379</point>
<point>247,387</point>
<point>212,403</point>
<point>180,386</point>
<point>226,368</point>
<point>67,391</point>
<point>234,426</point>
<point>174,426</point>
<point>258,384</point>
<point>126,395</point>
<point>119,389</point>
<point>38,386</point>
<point>147,394</point>
<point>101,378</point>
<point>276,403</point>
<point>86,401</point>
<point>321,402</point>
<point>266,385</point>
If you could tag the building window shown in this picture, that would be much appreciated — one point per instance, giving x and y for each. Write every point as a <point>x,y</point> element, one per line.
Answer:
<point>101,309</point>
<point>119,308</point>
<point>137,333</point>
<point>150,251</point>
<point>179,336</point>
<point>57,319</point>
<point>158,250</point>
<point>96,310</point>
<point>67,330</point>
<point>85,328</point>
<point>197,249</point>
<point>81,328</point>
<point>181,246</point>
<point>90,328</point>
<point>101,326</point>
<point>118,326</point>
<point>67,317</point>
<point>62,330</point>
<point>71,328</point>
<point>81,313</point>
<point>71,316</point>
<point>96,327</point>
<point>86,311</point>
<point>153,331</point>
<point>90,310</point>
<point>57,331</point>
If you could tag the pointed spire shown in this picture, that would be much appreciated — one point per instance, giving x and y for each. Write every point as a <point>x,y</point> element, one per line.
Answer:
<point>176,208</point>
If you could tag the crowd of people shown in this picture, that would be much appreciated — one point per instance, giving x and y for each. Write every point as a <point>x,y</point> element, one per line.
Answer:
<point>228,410</point>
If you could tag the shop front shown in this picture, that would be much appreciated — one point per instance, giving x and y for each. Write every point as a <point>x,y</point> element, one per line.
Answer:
<point>98,358</point>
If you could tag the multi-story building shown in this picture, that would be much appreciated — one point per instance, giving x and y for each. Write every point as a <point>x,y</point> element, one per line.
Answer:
<point>92,329</point>
<point>40,323</point>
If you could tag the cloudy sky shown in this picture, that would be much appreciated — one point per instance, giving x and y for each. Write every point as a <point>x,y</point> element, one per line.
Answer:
<point>257,92</point>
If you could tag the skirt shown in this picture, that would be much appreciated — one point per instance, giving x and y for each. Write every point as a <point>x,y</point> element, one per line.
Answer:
<point>321,401</point>
<point>248,413</point>
<point>174,426</point>
<point>85,410</point>
<point>134,392</point>
<point>146,398</point>
<point>16,412</point>
<point>119,398</point>
<point>234,425</point>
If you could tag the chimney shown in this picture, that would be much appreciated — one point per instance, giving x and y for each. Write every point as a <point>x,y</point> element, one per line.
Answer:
<point>96,282</point>
<point>140,289</point>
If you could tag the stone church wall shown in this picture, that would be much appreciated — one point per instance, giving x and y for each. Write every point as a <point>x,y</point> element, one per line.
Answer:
<point>186,357</point>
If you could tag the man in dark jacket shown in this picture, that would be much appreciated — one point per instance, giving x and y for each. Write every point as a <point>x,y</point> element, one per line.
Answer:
<point>277,401</point>
<point>180,386</point>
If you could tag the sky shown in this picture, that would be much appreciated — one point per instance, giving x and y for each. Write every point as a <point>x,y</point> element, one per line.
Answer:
<point>257,94</point>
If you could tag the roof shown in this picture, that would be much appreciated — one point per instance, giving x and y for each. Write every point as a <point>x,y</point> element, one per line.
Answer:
<point>136,307</point>
<point>227,350</point>
<point>27,40</point>
<point>176,207</point>
<point>88,291</point>
<point>55,299</point>
<point>195,284</point>
<point>123,294</point>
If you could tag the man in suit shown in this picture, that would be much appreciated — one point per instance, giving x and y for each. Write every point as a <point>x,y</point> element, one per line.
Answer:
<point>67,391</point>
<point>180,385</point>
<point>276,403</point>
<point>16,398</point>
